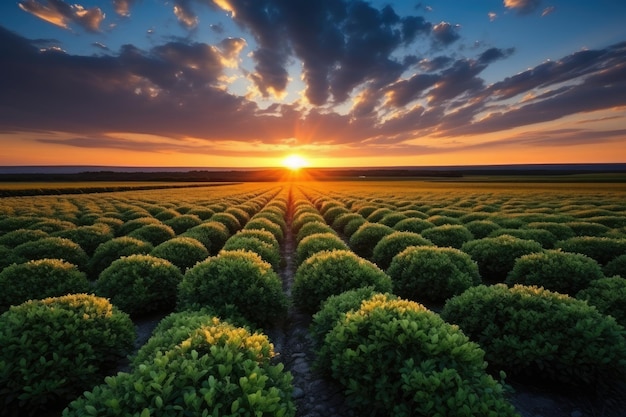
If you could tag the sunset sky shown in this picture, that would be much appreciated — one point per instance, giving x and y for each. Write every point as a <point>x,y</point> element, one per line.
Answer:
<point>244,83</point>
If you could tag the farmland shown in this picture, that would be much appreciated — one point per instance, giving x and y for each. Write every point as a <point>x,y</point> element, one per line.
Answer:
<point>484,296</point>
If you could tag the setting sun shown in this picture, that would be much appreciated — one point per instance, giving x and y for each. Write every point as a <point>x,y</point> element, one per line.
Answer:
<point>294,162</point>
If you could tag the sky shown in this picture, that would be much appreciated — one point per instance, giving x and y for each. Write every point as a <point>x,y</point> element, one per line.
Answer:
<point>342,83</point>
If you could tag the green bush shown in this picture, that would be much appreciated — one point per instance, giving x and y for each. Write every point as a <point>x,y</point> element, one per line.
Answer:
<point>365,211</point>
<point>559,230</point>
<point>53,248</point>
<point>412,224</point>
<point>392,219</point>
<point>434,274</point>
<point>154,234</point>
<point>318,242</point>
<point>88,237</point>
<point>545,238</point>
<point>52,350</point>
<point>602,249</point>
<point>266,251</point>
<point>394,243</point>
<point>114,249</point>
<point>213,235</point>
<point>227,220</point>
<point>496,255</point>
<point>378,214</point>
<point>583,228</point>
<point>340,222</point>
<point>274,216</point>
<point>182,223</point>
<point>363,241</point>
<point>331,273</point>
<point>140,284</point>
<point>263,235</point>
<point>11,223</point>
<point>303,219</point>
<point>396,358</point>
<point>482,228</point>
<point>332,214</point>
<point>219,370</point>
<point>240,214</point>
<point>260,223</point>
<point>6,257</point>
<point>608,295</point>
<point>554,270</point>
<point>534,332</point>
<point>204,213</point>
<point>52,225</point>
<point>312,228</point>
<point>452,235</point>
<point>135,224</point>
<point>239,278</point>
<point>616,267</point>
<point>439,220</point>
<point>38,279</point>
<point>17,237</point>
<point>353,225</point>
<point>182,251</point>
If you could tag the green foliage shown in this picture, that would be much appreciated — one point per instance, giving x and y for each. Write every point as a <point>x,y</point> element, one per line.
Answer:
<point>213,235</point>
<point>366,210</point>
<point>228,220</point>
<point>52,225</point>
<point>378,214</point>
<point>452,235</point>
<point>608,295</point>
<point>534,332</point>
<point>114,249</point>
<point>240,214</point>
<point>602,249</point>
<point>413,224</point>
<point>17,237</point>
<point>137,223</point>
<point>333,213</point>
<point>140,284</point>
<point>353,225</point>
<point>582,228</point>
<point>6,257</point>
<point>219,370</point>
<point>439,220</point>
<point>182,251</point>
<point>312,228</point>
<point>331,273</point>
<point>239,278</point>
<point>154,234</point>
<point>363,241</point>
<point>263,235</point>
<point>182,223</point>
<point>554,270</point>
<point>396,358</point>
<point>39,279</point>
<point>544,237</point>
<point>52,350</point>
<point>482,228</point>
<point>88,237</point>
<point>616,267</point>
<point>204,213</point>
<point>318,242</point>
<point>304,218</point>
<point>261,223</point>
<point>423,273</point>
<point>11,223</point>
<point>274,215</point>
<point>266,251</point>
<point>53,248</point>
<point>392,218</point>
<point>496,255</point>
<point>340,222</point>
<point>559,230</point>
<point>394,243</point>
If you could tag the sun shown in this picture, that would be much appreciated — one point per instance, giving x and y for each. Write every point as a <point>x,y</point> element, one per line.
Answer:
<point>294,162</point>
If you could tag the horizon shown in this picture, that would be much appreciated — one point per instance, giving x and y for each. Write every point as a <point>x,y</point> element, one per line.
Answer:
<point>230,84</point>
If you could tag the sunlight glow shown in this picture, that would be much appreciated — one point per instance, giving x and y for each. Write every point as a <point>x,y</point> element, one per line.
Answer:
<point>294,162</point>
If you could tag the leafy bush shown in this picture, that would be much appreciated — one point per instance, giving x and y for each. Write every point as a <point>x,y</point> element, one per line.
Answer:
<point>204,213</point>
<point>396,358</point>
<point>363,241</point>
<point>140,284</point>
<point>392,218</point>
<point>154,234</point>
<point>602,249</point>
<point>88,237</point>
<point>260,223</point>
<point>365,211</point>
<point>182,223</point>
<point>435,274</point>
<point>39,279</point>
<point>582,228</point>
<point>318,242</point>
<point>6,257</point>
<point>266,251</point>
<point>303,219</point>
<point>439,220</point>
<point>608,295</point>
<point>378,214</point>
<point>274,216</point>
<point>482,228</point>
<point>412,224</point>
<point>534,332</point>
<point>554,270</point>
<point>330,273</point>
<point>616,267</point>
<point>52,350</point>
<point>213,235</point>
<point>312,228</point>
<point>52,225</point>
<point>545,238</point>
<point>353,225</point>
<point>394,243</point>
<point>340,222</point>
<point>332,214</point>
<point>53,248</point>
<point>263,235</point>
<point>240,214</point>
<point>17,237</point>
<point>114,249</point>
<point>11,223</point>
<point>496,255</point>
<point>134,224</point>
<point>451,235</point>
<point>227,220</point>
<point>559,230</point>
<point>182,251</point>
<point>239,278</point>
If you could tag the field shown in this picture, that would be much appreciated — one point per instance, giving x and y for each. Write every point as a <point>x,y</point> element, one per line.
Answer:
<point>488,295</point>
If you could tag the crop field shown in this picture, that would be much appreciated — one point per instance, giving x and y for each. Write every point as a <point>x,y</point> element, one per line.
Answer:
<point>403,298</point>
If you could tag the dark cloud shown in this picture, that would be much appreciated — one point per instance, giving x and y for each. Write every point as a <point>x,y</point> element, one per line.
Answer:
<point>445,34</point>
<point>62,14</point>
<point>184,13</point>
<point>495,54</point>
<point>522,6</point>
<point>403,92</point>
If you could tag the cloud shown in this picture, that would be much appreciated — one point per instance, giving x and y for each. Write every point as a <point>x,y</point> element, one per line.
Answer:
<point>522,7</point>
<point>495,54</point>
<point>62,14</point>
<point>184,14</point>
<point>444,33</point>
<point>492,16</point>
<point>547,11</point>
<point>122,7</point>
